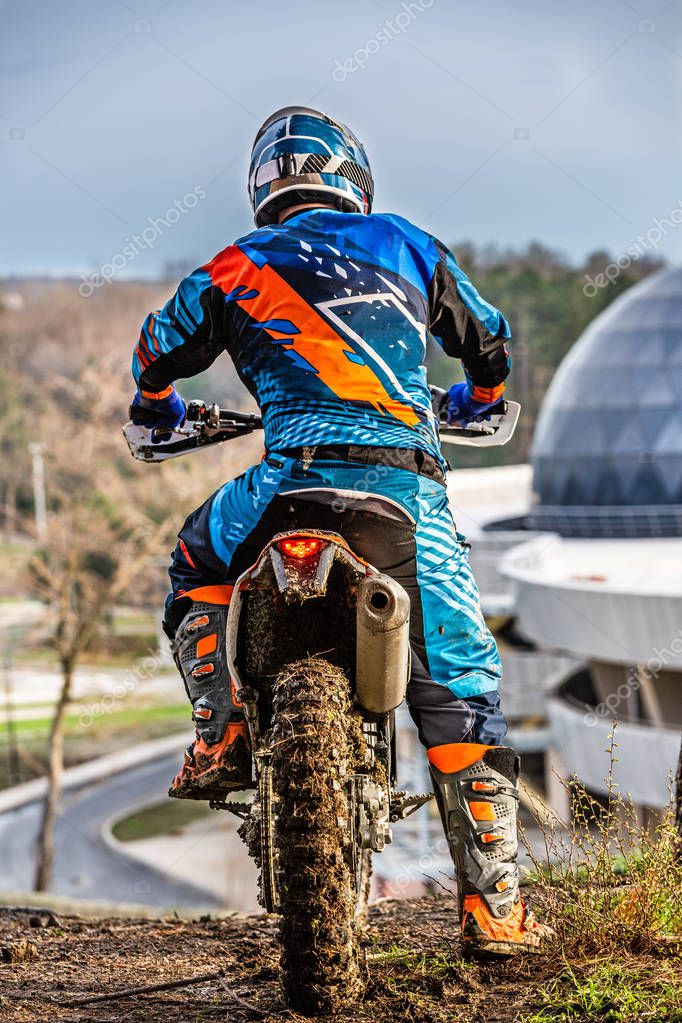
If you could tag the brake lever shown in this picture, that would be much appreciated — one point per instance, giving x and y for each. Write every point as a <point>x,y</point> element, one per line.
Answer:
<point>203,425</point>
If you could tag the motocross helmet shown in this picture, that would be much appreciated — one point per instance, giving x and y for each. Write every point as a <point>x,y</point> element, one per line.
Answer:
<point>301,155</point>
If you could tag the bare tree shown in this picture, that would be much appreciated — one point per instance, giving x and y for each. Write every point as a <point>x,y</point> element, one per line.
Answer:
<point>104,521</point>
<point>86,564</point>
<point>106,513</point>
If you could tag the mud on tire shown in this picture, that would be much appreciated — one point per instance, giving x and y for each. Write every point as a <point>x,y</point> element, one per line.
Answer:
<point>314,749</point>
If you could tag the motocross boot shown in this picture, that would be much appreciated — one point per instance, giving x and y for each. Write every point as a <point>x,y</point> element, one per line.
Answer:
<point>219,759</point>
<point>476,789</point>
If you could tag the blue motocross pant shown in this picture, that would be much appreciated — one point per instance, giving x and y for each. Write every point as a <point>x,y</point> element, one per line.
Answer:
<point>399,522</point>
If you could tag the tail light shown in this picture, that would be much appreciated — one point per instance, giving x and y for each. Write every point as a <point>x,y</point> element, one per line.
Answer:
<point>300,547</point>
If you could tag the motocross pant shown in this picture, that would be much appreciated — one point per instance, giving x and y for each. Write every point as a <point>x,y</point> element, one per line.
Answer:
<point>399,522</point>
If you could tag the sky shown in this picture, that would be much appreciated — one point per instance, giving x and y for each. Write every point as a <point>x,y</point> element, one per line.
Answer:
<point>491,122</point>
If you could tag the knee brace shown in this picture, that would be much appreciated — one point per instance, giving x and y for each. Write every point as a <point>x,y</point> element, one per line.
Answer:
<point>200,653</point>
<point>476,789</point>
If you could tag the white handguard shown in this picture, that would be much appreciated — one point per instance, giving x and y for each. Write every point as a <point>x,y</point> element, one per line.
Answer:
<point>492,429</point>
<point>204,425</point>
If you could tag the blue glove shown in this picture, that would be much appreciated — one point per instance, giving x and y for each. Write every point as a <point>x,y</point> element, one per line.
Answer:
<point>461,406</point>
<point>163,411</point>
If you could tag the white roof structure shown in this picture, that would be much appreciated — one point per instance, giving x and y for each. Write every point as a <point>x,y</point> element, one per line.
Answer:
<point>599,601</point>
<point>608,600</point>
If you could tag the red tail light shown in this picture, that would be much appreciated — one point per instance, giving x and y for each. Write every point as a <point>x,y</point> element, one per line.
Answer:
<point>300,547</point>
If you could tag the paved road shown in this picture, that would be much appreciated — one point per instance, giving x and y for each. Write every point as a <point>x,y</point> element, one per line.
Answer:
<point>85,866</point>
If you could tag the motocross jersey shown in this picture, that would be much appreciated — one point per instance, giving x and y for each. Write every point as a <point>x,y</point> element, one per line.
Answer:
<point>326,318</point>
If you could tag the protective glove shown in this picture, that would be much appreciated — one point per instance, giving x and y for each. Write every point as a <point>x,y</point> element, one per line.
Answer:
<point>165,410</point>
<point>461,406</point>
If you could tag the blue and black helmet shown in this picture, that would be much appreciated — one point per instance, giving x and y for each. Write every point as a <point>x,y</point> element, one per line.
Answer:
<point>301,155</point>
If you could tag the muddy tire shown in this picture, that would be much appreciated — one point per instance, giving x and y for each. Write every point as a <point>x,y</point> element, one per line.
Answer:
<point>314,749</point>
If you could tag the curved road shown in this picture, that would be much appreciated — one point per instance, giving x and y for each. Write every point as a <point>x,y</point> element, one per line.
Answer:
<point>87,867</point>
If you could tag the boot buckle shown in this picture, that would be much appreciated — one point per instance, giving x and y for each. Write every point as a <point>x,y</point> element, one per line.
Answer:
<point>202,714</point>
<point>200,622</point>
<point>203,669</point>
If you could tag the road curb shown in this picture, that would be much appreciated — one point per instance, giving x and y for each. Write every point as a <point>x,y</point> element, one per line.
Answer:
<point>65,905</point>
<point>95,770</point>
<point>123,849</point>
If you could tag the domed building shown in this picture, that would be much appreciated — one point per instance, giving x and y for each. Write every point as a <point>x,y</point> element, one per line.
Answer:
<point>600,576</point>
<point>607,451</point>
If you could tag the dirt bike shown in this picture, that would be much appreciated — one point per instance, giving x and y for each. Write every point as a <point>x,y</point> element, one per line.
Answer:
<point>321,724</point>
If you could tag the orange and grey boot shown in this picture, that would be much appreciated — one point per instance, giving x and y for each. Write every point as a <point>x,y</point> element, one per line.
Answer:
<point>219,759</point>
<point>476,789</point>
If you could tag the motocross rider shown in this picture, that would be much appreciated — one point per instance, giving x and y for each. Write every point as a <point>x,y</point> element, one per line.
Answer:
<point>325,310</point>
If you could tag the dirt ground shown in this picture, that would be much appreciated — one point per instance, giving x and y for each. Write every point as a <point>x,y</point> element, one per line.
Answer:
<point>411,955</point>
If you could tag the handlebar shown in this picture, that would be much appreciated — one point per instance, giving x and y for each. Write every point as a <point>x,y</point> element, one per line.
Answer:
<point>215,418</point>
<point>206,424</point>
<point>495,427</point>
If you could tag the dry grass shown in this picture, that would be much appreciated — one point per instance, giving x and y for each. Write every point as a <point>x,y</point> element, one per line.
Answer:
<point>612,889</point>
<point>609,883</point>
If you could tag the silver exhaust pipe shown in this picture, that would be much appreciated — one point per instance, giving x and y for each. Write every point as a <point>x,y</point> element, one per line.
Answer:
<point>383,644</point>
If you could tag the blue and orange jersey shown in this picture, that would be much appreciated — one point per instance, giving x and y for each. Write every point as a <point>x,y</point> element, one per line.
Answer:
<point>326,318</point>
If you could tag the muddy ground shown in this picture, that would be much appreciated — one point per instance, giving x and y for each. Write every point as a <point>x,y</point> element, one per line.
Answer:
<point>411,953</point>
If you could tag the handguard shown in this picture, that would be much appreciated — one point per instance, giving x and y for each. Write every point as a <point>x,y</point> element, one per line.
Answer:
<point>491,429</point>
<point>204,425</point>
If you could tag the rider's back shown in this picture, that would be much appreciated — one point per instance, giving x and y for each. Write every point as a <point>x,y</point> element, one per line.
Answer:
<point>326,318</point>
<point>328,315</point>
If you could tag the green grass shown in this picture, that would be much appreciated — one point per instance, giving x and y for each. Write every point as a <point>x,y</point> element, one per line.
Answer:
<point>125,650</point>
<point>615,890</point>
<point>17,709</point>
<point>153,714</point>
<point>167,818</point>
<point>10,548</point>
<point>403,968</point>
<point>128,618</point>
<point>131,634</point>
<point>612,992</point>
<point>437,966</point>
<point>119,719</point>
<point>103,733</point>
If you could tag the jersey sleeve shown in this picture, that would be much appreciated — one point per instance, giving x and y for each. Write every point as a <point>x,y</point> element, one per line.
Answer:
<point>468,328</point>
<point>178,340</point>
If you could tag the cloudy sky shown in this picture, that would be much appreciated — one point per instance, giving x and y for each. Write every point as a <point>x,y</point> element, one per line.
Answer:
<point>489,121</point>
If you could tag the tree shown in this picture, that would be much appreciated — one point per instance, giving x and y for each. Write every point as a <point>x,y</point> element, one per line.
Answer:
<point>87,562</point>
<point>66,383</point>
<point>104,523</point>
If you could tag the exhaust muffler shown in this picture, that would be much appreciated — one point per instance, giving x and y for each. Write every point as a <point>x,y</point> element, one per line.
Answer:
<point>383,644</point>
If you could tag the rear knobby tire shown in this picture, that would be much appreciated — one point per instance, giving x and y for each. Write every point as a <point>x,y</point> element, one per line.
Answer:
<point>314,750</point>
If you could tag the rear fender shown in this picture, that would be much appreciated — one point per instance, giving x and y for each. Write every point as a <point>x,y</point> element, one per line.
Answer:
<point>296,580</point>
<point>375,637</point>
